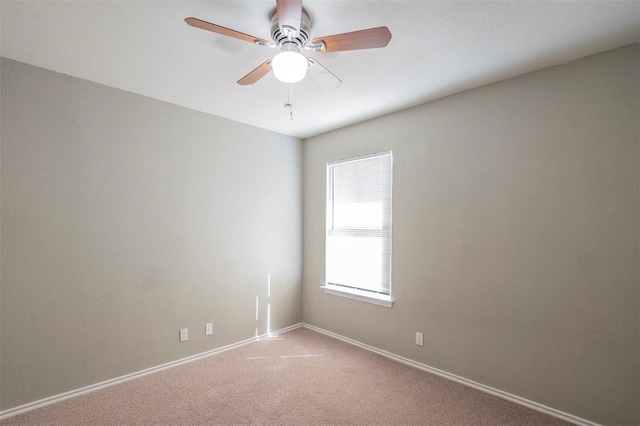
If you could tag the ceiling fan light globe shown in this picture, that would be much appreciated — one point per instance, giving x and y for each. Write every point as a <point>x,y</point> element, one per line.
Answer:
<point>289,67</point>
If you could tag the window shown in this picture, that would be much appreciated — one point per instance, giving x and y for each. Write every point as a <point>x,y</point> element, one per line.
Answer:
<point>358,239</point>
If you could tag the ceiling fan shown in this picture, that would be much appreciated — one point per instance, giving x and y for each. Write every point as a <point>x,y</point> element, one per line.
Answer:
<point>290,31</point>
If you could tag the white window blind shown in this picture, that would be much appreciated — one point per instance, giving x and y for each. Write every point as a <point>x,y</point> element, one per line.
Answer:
<point>358,242</point>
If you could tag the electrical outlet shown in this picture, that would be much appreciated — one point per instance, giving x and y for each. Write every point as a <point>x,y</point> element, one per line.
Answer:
<point>208,329</point>
<point>419,339</point>
<point>184,334</point>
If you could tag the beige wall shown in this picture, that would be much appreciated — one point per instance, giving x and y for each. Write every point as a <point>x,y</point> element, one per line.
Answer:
<point>125,219</point>
<point>515,241</point>
<point>516,234</point>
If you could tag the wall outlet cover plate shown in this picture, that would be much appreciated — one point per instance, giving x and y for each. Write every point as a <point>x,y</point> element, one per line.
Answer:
<point>184,334</point>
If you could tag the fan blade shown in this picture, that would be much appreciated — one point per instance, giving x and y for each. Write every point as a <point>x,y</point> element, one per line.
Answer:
<point>323,76</point>
<point>204,25</point>
<point>289,15</point>
<point>256,74</point>
<point>363,39</point>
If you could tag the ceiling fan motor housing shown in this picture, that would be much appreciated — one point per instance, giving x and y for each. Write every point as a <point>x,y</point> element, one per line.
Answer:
<point>291,41</point>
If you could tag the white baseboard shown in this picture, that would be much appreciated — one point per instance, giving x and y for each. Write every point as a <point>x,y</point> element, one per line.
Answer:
<point>92,388</point>
<point>479,386</point>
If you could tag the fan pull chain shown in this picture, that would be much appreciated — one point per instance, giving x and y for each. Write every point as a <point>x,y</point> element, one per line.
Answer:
<point>289,103</point>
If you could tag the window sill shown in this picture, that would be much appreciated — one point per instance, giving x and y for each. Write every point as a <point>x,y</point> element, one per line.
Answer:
<point>360,295</point>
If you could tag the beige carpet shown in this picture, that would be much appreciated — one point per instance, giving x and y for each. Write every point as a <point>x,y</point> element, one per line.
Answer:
<point>300,377</point>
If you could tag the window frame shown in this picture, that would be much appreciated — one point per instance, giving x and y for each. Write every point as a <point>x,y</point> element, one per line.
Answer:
<point>381,298</point>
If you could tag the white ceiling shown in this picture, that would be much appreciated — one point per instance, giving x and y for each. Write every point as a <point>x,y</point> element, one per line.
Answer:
<point>438,48</point>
